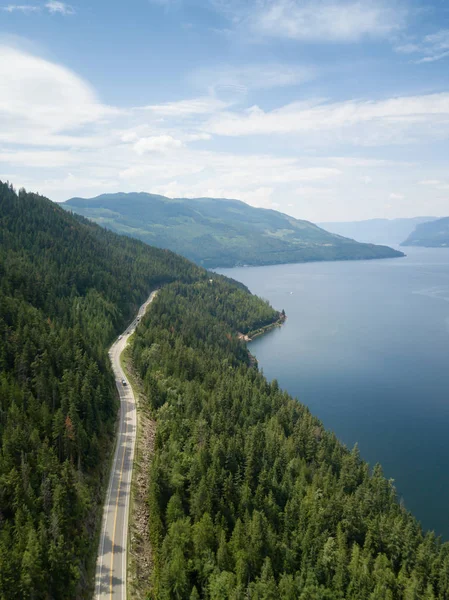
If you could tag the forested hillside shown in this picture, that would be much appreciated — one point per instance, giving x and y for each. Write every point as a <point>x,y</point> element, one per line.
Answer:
<point>221,233</point>
<point>67,287</point>
<point>249,496</point>
<point>430,235</point>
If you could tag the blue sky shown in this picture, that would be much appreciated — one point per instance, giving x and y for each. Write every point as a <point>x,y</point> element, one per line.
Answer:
<point>324,109</point>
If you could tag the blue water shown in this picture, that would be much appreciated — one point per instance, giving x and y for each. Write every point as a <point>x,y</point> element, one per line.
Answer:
<point>366,347</point>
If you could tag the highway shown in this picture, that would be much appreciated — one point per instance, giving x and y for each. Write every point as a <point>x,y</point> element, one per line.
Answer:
<point>110,575</point>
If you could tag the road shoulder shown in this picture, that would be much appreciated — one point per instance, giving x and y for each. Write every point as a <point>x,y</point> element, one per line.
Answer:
<point>111,575</point>
<point>140,560</point>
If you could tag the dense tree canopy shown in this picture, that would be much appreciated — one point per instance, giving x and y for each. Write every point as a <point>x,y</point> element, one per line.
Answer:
<point>249,496</point>
<point>67,287</point>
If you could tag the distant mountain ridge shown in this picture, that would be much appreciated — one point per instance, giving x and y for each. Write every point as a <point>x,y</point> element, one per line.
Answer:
<point>430,235</point>
<point>377,231</point>
<point>219,232</point>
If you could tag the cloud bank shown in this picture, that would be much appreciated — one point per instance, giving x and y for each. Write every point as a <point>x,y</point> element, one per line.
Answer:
<point>60,138</point>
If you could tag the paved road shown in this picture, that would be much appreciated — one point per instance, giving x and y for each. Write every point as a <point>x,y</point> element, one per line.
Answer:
<point>110,576</point>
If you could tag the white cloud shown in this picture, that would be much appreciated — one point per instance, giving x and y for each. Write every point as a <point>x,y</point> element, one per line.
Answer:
<point>53,6</point>
<point>432,48</point>
<point>316,20</point>
<point>129,136</point>
<point>436,46</point>
<point>407,48</point>
<point>197,137</point>
<point>260,197</point>
<point>227,80</point>
<point>391,121</point>
<point>439,39</point>
<point>436,184</point>
<point>160,172</point>
<point>159,143</point>
<point>183,108</point>
<point>23,8</point>
<point>57,137</point>
<point>396,196</point>
<point>40,100</point>
<point>75,184</point>
<point>432,182</point>
<point>311,191</point>
<point>41,158</point>
<point>251,178</point>
<point>307,174</point>
<point>359,161</point>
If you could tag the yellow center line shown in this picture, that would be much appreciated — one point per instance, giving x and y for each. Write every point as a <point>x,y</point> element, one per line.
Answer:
<point>116,504</point>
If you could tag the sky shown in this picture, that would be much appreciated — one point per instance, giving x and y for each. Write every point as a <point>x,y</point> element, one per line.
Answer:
<point>328,110</point>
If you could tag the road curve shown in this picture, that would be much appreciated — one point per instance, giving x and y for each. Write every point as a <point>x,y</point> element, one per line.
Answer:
<point>110,575</point>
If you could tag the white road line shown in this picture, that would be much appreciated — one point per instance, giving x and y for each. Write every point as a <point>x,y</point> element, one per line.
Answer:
<point>102,564</point>
<point>107,504</point>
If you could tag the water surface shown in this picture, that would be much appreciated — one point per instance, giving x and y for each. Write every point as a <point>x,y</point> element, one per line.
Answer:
<point>366,347</point>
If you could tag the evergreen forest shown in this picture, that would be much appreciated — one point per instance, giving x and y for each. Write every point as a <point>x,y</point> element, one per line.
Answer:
<point>67,288</point>
<point>249,496</point>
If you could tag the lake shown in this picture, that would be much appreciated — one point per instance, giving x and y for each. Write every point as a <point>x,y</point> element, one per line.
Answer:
<point>366,347</point>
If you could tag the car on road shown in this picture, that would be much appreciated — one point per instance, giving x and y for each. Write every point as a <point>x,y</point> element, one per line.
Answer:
<point>124,382</point>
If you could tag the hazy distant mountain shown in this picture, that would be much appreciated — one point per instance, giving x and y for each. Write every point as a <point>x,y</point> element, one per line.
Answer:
<point>221,233</point>
<point>431,235</point>
<point>377,231</point>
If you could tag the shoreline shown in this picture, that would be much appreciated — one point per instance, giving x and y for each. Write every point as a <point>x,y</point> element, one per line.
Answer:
<point>267,328</point>
<point>248,337</point>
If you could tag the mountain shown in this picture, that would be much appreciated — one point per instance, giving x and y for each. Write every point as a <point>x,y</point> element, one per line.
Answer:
<point>377,231</point>
<point>67,287</point>
<point>431,235</point>
<point>221,233</point>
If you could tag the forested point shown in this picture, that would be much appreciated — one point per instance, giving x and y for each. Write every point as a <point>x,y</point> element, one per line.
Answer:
<point>250,497</point>
<point>67,288</point>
